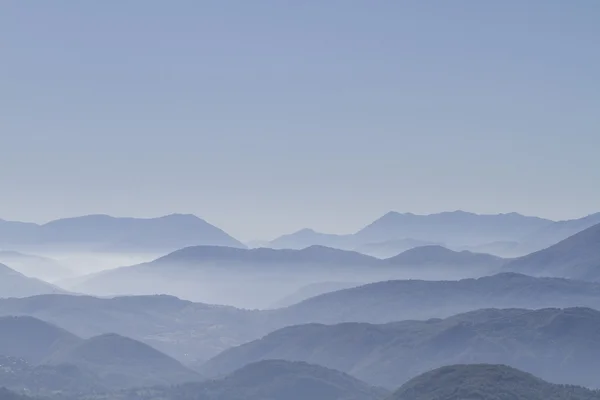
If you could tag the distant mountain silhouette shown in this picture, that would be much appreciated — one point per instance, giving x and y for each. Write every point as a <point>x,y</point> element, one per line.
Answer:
<point>123,362</point>
<point>308,237</point>
<point>556,232</point>
<point>484,381</point>
<point>441,256</point>
<point>457,228</point>
<point>34,266</point>
<point>106,233</point>
<point>452,228</point>
<point>15,284</point>
<point>271,379</point>
<point>556,344</point>
<point>391,248</point>
<point>575,257</point>
<point>32,339</point>
<point>253,278</point>
<point>311,255</point>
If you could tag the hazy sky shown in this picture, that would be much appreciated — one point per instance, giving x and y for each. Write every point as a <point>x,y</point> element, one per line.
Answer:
<point>264,117</point>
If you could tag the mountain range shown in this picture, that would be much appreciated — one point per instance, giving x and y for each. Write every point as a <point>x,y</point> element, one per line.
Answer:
<point>559,345</point>
<point>194,332</point>
<point>44,268</point>
<point>505,235</point>
<point>111,234</point>
<point>111,360</point>
<point>257,278</point>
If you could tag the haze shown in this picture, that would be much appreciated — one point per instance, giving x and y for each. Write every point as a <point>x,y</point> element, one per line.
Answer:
<point>265,118</point>
<point>324,200</point>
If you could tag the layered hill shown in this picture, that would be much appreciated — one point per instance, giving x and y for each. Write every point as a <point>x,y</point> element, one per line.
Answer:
<point>256,278</point>
<point>15,284</point>
<point>485,381</point>
<point>123,362</point>
<point>389,301</point>
<point>555,344</point>
<point>271,379</point>
<point>106,233</point>
<point>576,257</point>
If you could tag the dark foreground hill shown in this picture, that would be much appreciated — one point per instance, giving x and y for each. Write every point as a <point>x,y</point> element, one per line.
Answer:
<point>39,356</point>
<point>486,382</point>
<point>577,257</point>
<point>555,344</point>
<point>272,380</point>
<point>123,362</point>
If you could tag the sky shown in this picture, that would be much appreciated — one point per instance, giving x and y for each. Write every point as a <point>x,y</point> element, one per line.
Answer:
<point>264,117</point>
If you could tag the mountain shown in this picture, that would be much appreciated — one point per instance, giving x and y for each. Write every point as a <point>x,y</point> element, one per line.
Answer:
<point>43,268</point>
<point>308,237</point>
<point>452,228</point>
<point>389,301</point>
<point>31,339</point>
<point>556,344</point>
<point>15,284</point>
<point>123,362</point>
<point>556,232</point>
<point>391,248</point>
<point>438,256</point>
<point>271,379</point>
<point>312,290</point>
<point>575,257</point>
<point>484,381</point>
<point>184,330</point>
<point>250,278</point>
<point>106,233</point>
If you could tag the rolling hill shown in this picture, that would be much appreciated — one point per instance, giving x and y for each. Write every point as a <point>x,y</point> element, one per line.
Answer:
<point>270,379</point>
<point>31,339</point>
<point>576,257</point>
<point>556,344</point>
<point>484,381</point>
<point>123,362</point>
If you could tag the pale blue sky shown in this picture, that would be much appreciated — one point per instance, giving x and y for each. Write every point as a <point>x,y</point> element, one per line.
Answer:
<point>264,117</point>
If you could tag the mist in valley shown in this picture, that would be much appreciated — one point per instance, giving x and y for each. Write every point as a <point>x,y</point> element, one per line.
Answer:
<point>299,200</point>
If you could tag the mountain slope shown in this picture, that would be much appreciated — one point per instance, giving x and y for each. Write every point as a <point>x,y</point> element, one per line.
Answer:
<point>124,362</point>
<point>308,237</point>
<point>556,232</point>
<point>106,233</point>
<point>484,381</point>
<point>391,248</point>
<point>43,268</point>
<point>15,284</point>
<point>271,379</point>
<point>32,339</point>
<point>442,257</point>
<point>452,228</point>
<point>389,301</point>
<point>252,278</point>
<point>556,344</point>
<point>575,257</point>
